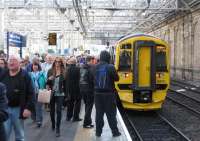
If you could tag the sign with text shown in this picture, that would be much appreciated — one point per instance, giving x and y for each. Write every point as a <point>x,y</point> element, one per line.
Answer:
<point>16,40</point>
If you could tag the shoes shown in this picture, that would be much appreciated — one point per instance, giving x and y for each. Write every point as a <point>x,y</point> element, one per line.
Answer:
<point>53,127</point>
<point>57,133</point>
<point>88,126</point>
<point>39,124</point>
<point>98,134</point>
<point>117,134</point>
<point>78,119</point>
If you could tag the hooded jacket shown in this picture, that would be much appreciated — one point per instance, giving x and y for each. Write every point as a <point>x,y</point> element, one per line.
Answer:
<point>104,60</point>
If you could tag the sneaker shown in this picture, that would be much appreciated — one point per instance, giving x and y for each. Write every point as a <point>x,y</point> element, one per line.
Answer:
<point>88,126</point>
<point>117,134</point>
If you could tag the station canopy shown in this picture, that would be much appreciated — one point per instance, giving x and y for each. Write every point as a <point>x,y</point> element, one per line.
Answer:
<point>94,19</point>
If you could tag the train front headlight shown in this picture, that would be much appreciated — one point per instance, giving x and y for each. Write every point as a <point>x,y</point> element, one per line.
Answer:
<point>126,75</point>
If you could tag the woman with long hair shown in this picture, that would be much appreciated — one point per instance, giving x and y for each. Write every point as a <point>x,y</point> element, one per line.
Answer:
<point>56,82</point>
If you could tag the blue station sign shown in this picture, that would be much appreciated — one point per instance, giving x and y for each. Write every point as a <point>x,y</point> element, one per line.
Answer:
<point>16,40</point>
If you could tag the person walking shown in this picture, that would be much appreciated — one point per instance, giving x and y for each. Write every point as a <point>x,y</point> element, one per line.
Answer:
<point>73,91</point>
<point>56,82</point>
<point>3,111</point>
<point>87,90</point>
<point>20,97</point>
<point>39,82</point>
<point>105,98</point>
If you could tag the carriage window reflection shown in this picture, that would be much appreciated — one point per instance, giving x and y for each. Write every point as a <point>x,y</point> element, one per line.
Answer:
<point>125,60</point>
<point>161,62</point>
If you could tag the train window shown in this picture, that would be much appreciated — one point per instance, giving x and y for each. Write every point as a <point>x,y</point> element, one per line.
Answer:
<point>126,46</point>
<point>125,60</point>
<point>161,62</point>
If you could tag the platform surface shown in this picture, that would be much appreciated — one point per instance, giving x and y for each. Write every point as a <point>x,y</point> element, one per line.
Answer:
<point>71,131</point>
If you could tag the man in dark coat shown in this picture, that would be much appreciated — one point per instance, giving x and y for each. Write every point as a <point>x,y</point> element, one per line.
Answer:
<point>105,98</point>
<point>87,90</point>
<point>20,94</point>
<point>73,91</point>
<point>2,73</point>
<point>3,111</point>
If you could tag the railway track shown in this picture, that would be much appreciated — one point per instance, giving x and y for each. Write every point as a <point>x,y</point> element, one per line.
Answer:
<point>184,100</point>
<point>184,83</point>
<point>189,87</point>
<point>154,127</point>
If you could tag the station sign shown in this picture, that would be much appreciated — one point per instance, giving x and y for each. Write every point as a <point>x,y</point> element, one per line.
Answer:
<point>16,40</point>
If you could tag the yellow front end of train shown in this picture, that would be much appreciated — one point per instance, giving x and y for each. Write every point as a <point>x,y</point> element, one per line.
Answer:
<point>143,65</point>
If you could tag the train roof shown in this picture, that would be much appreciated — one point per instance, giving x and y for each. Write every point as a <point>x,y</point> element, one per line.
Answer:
<point>136,35</point>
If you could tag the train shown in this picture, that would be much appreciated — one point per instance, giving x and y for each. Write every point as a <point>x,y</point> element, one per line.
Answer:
<point>142,62</point>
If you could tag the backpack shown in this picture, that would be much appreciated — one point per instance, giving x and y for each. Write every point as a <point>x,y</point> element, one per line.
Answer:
<point>102,79</point>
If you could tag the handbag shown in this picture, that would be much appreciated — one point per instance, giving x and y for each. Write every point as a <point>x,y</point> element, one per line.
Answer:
<point>44,96</point>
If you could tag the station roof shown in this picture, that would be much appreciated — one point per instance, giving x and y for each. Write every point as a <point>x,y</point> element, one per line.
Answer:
<point>95,19</point>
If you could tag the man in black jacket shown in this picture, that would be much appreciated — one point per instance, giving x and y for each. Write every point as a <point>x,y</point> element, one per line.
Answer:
<point>87,90</point>
<point>2,72</point>
<point>20,94</point>
<point>105,98</point>
<point>73,91</point>
<point>3,111</point>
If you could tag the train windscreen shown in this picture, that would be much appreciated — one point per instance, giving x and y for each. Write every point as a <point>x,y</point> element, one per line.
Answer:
<point>125,60</point>
<point>161,62</point>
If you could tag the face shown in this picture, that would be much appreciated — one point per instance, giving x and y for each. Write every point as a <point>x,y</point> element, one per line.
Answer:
<point>13,64</point>
<point>35,67</point>
<point>22,63</point>
<point>58,62</point>
<point>2,64</point>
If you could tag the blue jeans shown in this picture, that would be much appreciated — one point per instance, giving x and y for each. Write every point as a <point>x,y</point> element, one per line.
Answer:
<point>39,112</point>
<point>15,123</point>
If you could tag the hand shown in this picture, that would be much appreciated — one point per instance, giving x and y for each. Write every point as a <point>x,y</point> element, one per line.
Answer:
<point>51,77</point>
<point>26,113</point>
<point>48,88</point>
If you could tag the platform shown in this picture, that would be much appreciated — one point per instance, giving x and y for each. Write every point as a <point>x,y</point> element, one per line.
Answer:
<point>72,131</point>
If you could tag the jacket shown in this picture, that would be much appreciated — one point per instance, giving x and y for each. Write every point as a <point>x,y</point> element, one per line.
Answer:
<point>62,84</point>
<point>27,96</point>
<point>87,78</point>
<point>72,81</point>
<point>3,103</point>
<point>112,74</point>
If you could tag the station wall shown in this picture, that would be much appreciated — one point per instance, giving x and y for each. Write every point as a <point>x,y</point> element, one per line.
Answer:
<point>183,35</point>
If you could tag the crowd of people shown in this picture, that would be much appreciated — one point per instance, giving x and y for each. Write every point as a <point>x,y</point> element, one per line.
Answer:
<point>70,80</point>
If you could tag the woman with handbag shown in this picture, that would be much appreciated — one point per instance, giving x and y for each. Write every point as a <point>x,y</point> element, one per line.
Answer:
<point>39,82</point>
<point>56,83</point>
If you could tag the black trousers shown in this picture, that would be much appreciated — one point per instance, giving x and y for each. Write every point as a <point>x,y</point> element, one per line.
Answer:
<point>73,108</point>
<point>2,133</point>
<point>88,98</point>
<point>56,106</point>
<point>106,103</point>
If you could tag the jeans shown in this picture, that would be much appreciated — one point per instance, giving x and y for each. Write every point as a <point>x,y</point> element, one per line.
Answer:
<point>39,112</point>
<point>56,101</point>
<point>15,123</point>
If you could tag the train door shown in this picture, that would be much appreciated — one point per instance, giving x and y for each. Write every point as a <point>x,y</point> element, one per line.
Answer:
<point>144,71</point>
